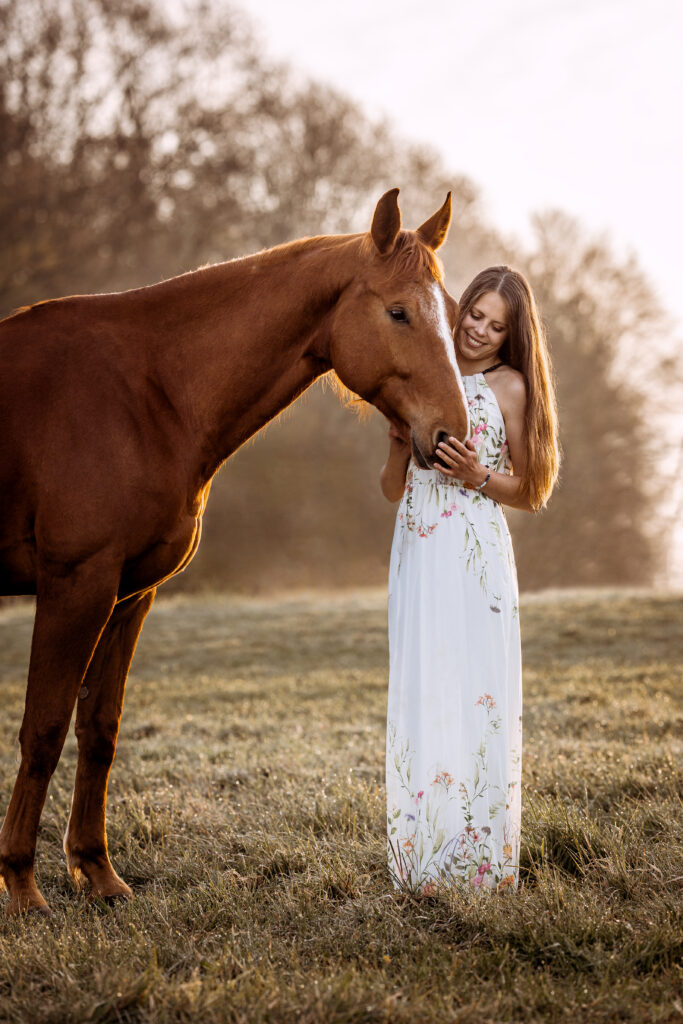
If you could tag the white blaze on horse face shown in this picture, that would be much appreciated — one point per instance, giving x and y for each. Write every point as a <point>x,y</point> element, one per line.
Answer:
<point>439,317</point>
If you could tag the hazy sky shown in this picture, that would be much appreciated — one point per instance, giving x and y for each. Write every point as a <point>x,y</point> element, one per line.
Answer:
<point>576,104</point>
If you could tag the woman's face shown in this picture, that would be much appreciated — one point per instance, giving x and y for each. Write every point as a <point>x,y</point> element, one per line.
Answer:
<point>484,328</point>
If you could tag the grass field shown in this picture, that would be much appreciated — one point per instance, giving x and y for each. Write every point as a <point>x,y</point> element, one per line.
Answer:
<point>247,811</point>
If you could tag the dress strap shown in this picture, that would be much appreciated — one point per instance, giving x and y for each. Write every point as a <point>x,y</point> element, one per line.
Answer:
<point>490,369</point>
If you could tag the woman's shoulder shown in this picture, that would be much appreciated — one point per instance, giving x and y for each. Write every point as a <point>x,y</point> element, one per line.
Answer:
<point>510,379</point>
<point>509,387</point>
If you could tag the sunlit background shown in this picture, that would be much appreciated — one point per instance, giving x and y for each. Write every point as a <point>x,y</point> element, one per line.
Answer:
<point>141,139</point>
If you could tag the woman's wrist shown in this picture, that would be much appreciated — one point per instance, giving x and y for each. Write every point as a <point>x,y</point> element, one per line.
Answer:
<point>484,478</point>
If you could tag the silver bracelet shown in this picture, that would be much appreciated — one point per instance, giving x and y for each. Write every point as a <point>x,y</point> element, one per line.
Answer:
<point>482,485</point>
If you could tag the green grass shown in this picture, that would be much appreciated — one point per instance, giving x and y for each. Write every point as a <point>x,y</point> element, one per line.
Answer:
<point>246,809</point>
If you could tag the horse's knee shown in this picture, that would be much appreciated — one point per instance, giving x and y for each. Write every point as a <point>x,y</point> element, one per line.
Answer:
<point>41,748</point>
<point>97,740</point>
<point>15,863</point>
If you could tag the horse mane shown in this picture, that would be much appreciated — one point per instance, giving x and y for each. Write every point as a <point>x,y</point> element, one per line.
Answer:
<point>409,257</point>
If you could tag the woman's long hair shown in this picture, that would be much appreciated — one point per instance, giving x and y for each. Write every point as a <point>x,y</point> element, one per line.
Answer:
<point>525,349</point>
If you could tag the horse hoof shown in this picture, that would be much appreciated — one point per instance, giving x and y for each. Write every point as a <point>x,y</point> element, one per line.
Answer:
<point>15,909</point>
<point>117,898</point>
<point>40,911</point>
<point>112,899</point>
<point>100,881</point>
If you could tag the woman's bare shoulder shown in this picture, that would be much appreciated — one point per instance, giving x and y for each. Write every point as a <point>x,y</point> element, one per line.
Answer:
<point>512,380</point>
<point>509,386</point>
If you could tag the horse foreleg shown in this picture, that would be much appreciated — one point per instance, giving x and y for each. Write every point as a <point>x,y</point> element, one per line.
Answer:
<point>71,612</point>
<point>97,725</point>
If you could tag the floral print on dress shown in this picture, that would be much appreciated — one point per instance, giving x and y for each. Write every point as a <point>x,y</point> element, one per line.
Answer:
<point>484,851</point>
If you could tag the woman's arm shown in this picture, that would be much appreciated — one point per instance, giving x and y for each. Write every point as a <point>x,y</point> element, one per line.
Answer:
<point>461,460</point>
<point>392,477</point>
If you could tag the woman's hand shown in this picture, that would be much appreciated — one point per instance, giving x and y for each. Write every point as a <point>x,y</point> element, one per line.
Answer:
<point>460,462</point>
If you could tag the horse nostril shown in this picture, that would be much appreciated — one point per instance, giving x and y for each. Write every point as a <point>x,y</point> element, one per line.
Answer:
<point>441,436</point>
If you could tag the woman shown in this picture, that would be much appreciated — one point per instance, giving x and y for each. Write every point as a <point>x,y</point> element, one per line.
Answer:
<point>454,727</point>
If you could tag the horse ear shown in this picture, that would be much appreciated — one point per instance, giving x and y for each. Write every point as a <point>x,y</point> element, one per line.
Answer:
<point>434,230</point>
<point>386,222</point>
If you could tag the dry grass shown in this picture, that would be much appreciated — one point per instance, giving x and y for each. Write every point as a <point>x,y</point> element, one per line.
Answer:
<point>246,809</point>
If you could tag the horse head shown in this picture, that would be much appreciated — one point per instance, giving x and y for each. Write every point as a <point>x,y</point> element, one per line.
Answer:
<point>391,339</point>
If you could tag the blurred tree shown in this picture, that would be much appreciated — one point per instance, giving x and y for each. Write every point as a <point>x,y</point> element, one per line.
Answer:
<point>110,114</point>
<point>137,142</point>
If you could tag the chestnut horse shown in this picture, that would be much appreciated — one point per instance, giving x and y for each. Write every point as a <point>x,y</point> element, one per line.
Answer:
<point>118,409</point>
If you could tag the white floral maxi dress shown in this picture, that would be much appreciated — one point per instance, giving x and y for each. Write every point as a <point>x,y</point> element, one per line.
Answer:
<point>454,723</point>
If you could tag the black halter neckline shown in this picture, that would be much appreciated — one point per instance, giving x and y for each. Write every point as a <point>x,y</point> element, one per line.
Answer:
<point>491,368</point>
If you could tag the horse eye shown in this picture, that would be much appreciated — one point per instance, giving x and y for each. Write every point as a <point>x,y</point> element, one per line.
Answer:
<point>399,315</point>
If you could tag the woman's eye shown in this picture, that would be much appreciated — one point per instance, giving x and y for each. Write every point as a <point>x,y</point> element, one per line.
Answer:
<point>399,314</point>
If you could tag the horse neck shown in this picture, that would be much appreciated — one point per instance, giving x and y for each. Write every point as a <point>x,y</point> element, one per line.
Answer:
<point>245,338</point>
